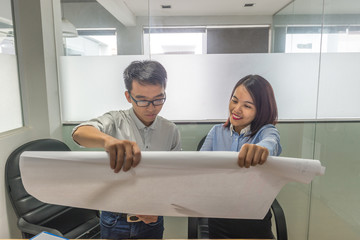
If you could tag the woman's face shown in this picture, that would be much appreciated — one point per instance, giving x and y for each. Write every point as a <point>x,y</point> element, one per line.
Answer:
<point>242,108</point>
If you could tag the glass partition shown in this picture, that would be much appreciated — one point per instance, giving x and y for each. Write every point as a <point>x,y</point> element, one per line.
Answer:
<point>329,28</point>
<point>307,49</point>
<point>102,28</point>
<point>335,197</point>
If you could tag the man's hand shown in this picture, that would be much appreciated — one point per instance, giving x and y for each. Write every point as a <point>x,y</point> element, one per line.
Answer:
<point>147,219</point>
<point>251,155</point>
<point>123,154</point>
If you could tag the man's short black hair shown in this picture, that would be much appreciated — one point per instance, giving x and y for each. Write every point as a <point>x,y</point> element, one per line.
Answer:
<point>146,72</point>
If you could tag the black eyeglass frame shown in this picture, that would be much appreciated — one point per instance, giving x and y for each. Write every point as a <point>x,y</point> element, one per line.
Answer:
<point>148,102</point>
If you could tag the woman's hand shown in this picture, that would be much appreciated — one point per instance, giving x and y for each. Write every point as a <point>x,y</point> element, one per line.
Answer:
<point>251,155</point>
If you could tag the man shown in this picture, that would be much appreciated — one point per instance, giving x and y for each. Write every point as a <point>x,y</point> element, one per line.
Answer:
<point>125,133</point>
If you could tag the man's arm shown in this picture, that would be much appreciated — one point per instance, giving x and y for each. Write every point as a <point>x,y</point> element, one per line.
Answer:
<point>123,153</point>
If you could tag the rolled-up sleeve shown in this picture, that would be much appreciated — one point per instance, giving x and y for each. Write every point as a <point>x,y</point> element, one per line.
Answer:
<point>104,123</point>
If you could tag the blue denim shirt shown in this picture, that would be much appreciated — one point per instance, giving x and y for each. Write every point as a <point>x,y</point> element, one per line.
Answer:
<point>222,138</point>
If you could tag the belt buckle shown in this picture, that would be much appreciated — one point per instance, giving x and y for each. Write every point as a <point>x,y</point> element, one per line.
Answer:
<point>132,218</point>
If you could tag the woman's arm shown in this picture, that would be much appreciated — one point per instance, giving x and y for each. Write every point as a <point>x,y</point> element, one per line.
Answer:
<point>269,137</point>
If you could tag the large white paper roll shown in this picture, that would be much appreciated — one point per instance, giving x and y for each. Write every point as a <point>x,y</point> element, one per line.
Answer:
<point>197,184</point>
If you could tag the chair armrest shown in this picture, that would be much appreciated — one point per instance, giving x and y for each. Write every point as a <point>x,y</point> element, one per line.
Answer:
<point>30,228</point>
<point>280,221</point>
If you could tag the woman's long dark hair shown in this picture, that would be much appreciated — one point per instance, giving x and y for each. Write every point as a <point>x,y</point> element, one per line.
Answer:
<point>263,96</point>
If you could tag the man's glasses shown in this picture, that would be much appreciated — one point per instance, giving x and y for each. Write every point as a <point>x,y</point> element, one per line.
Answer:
<point>145,103</point>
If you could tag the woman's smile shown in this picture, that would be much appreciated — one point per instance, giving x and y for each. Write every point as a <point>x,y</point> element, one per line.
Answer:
<point>236,117</point>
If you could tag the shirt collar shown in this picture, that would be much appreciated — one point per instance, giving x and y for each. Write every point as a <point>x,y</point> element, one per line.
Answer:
<point>243,131</point>
<point>139,124</point>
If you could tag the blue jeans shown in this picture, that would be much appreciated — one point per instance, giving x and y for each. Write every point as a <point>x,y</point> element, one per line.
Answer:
<point>114,226</point>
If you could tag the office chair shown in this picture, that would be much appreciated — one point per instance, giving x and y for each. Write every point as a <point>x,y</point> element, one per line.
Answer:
<point>35,216</point>
<point>198,227</point>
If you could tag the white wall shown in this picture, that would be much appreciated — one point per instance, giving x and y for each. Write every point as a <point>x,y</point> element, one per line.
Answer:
<point>38,83</point>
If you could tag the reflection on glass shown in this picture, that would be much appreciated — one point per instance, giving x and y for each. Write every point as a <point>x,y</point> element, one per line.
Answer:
<point>334,39</point>
<point>224,39</point>
<point>7,45</point>
<point>108,27</point>
<point>180,43</point>
<point>301,27</point>
<point>175,41</point>
<point>91,42</point>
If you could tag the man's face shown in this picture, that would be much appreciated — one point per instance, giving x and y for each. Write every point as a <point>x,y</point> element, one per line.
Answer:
<point>145,92</point>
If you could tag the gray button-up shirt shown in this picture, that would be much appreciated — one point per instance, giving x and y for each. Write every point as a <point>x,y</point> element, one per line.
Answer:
<point>161,135</point>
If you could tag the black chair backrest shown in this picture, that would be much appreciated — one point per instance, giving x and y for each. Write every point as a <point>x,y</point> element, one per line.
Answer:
<point>35,216</point>
<point>201,143</point>
<point>25,205</point>
<point>280,221</point>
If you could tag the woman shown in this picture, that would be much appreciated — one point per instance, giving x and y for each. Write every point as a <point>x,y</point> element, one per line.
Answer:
<point>250,130</point>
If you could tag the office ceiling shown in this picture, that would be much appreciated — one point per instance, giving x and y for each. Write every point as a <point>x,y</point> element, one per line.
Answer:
<point>320,6</point>
<point>236,7</point>
<point>126,11</point>
<point>205,7</point>
<point>231,7</point>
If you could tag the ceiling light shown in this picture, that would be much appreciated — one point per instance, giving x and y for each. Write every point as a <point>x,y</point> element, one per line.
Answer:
<point>249,4</point>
